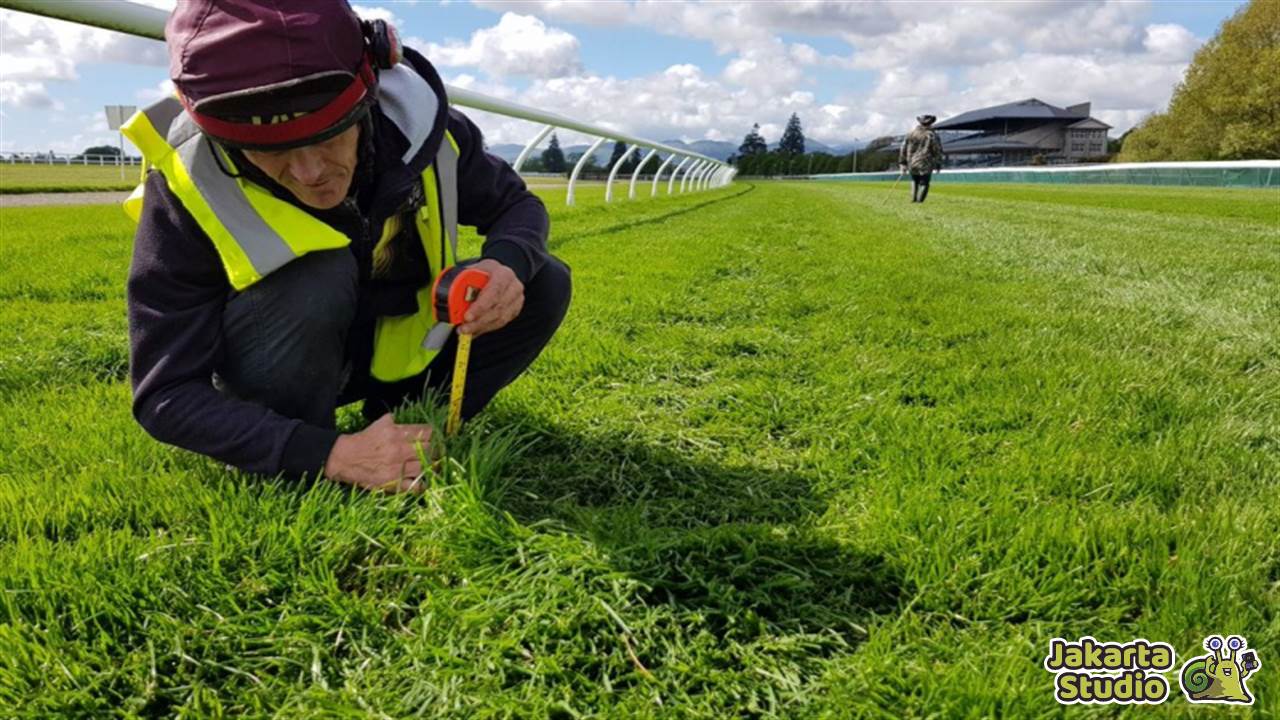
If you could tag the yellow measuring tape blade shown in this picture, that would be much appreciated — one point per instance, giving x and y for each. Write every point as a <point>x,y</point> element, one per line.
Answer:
<point>459,384</point>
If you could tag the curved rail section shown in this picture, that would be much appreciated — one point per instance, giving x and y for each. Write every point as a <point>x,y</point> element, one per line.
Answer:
<point>145,21</point>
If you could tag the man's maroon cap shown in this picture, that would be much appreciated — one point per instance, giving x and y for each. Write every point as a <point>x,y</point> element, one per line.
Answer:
<point>269,73</point>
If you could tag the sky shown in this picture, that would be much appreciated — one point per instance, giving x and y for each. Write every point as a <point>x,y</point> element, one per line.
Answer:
<point>681,70</point>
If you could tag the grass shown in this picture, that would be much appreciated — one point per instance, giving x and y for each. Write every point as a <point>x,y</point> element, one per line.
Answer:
<point>800,450</point>
<point>20,178</point>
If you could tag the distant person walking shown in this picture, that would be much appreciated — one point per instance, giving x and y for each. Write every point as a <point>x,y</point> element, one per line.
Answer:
<point>921,155</point>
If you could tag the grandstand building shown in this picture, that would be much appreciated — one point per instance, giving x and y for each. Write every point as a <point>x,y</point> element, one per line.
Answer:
<point>1021,133</point>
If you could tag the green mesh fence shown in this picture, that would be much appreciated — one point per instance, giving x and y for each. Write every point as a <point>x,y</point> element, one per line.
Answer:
<point>1253,175</point>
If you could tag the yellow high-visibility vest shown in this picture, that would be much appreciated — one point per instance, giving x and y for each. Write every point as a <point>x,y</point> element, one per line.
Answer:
<point>256,233</point>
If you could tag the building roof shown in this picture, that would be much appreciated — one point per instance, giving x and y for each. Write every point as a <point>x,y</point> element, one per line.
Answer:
<point>1029,109</point>
<point>1090,124</point>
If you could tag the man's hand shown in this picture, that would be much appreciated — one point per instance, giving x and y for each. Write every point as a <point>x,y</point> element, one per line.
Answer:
<point>498,303</point>
<point>902,169</point>
<point>383,457</point>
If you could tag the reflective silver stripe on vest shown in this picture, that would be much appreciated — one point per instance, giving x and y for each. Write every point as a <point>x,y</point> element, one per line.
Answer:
<point>447,181</point>
<point>161,115</point>
<point>409,101</point>
<point>264,247</point>
<point>437,336</point>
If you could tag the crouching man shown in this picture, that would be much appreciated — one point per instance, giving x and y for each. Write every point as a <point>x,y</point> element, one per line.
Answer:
<point>307,185</point>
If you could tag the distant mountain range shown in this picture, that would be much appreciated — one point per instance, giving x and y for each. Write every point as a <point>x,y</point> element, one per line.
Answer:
<point>717,149</point>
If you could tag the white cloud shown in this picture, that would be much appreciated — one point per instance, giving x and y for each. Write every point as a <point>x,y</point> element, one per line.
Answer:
<point>591,12</point>
<point>517,45</point>
<point>375,12</point>
<point>29,95</point>
<point>804,54</point>
<point>1171,43</point>
<point>28,36</point>
<point>159,91</point>
<point>35,51</point>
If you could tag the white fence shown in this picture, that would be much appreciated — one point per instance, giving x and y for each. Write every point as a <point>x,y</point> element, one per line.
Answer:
<point>694,171</point>
<point>1216,173</point>
<point>20,157</point>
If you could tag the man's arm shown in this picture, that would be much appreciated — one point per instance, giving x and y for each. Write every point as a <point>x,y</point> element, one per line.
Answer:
<point>493,198</point>
<point>176,294</point>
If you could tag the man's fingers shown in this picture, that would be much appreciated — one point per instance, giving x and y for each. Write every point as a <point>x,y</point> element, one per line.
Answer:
<point>496,314</point>
<point>415,432</point>
<point>412,469</point>
<point>492,297</point>
<point>414,485</point>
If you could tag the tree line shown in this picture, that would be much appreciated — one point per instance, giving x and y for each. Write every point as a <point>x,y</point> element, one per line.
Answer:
<point>755,158</point>
<point>554,160</point>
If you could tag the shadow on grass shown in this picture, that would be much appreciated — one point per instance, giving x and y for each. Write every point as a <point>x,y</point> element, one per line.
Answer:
<point>735,546</point>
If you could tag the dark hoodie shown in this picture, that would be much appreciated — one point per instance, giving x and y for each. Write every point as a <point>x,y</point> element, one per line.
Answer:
<point>178,288</point>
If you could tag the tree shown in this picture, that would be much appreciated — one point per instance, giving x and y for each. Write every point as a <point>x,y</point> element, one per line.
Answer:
<point>619,149</point>
<point>753,143</point>
<point>553,156</point>
<point>1227,106</point>
<point>1116,145</point>
<point>653,162</point>
<point>589,168</point>
<point>878,155</point>
<point>792,142</point>
<point>111,150</point>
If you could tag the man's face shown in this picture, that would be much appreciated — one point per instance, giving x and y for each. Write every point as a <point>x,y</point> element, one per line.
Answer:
<point>319,175</point>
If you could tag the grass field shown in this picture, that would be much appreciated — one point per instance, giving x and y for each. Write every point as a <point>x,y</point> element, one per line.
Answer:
<point>19,178</point>
<point>800,450</point>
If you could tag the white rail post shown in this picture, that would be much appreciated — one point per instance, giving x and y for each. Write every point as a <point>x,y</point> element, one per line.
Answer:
<point>658,175</point>
<point>671,184</point>
<point>631,194</point>
<point>706,176</point>
<point>689,171</point>
<point>695,182</point>
<point>608,186</point>
<point>573,179</point>
<point>684,180</point>
<point>529,148</point>
<point>696,185</point>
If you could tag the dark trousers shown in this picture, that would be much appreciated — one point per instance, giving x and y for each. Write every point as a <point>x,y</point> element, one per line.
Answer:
<point>920,187</point>
<point>286,336</point>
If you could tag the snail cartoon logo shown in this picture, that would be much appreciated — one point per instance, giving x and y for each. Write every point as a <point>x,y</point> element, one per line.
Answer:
<point>1218,677</point>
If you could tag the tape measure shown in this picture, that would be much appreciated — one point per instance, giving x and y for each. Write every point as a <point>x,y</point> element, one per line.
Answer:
<point>453,292</point>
